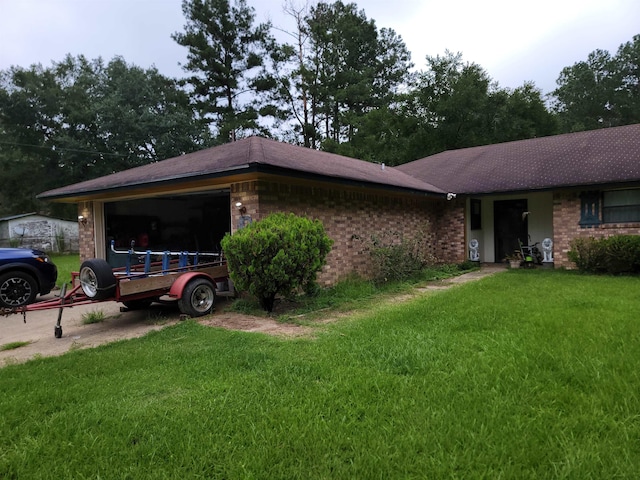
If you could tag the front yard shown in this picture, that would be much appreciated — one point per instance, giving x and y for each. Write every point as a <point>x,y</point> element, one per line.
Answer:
<point>527,374</point>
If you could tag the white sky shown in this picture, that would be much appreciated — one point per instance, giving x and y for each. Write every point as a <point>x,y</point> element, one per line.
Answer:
<point>514,41</point>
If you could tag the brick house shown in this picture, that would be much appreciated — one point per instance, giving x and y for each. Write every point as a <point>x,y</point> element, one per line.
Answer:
<point>584,184</point>
<point>560,187</point>
<point>190,202</point>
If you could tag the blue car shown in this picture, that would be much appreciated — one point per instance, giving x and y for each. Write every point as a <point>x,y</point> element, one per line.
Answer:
<point>24,273</point>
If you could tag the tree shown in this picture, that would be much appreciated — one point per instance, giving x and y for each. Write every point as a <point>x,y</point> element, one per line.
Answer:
<point>29,111</point>
<point>356,68</point>
<point>519,114</point>
<point>80,119</point>
<point>226,55</point>
<point>294,83</point>
<point>276,255</point>
<point>342,67</point>
<point>628,63</point>
<point>453,97</point>
<point>146,115</point>
<point>603,91</point>
<point>450,105</point>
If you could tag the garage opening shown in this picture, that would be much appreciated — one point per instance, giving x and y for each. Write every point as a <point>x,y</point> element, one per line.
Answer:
<point>190,222</point>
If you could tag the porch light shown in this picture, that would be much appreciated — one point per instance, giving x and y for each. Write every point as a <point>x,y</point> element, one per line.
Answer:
<point>83,218</point>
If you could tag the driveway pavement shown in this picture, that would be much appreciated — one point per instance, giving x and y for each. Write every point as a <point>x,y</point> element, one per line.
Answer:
<point>39,328</point>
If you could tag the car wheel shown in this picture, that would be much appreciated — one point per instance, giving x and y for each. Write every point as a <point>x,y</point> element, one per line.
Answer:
<point>97,279</point>
<point>198,298</point>
<point>17,289</point>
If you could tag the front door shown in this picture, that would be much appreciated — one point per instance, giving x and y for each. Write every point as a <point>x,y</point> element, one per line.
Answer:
<point>510,225</point>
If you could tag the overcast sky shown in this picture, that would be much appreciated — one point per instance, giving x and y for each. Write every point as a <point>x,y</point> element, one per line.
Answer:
<point>513,40</point>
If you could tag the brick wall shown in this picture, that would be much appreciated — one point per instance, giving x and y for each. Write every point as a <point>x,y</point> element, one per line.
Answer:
<point>566,226</point>
<point>86,236</point>
<point>353,218</point>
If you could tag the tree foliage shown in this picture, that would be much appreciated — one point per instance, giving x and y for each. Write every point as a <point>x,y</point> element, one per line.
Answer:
<point>80,119</point>
<point>450,105</point>
<point>226,59</point>
<point>343,85</point>
<point>601,91</point>
<point>343,67</point>
<point>276,255</point>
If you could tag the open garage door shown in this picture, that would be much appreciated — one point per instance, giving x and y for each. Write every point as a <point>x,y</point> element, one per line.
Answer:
<point>193,222</point>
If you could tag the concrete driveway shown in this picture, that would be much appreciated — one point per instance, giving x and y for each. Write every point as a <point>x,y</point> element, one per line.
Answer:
<point>39,328</point>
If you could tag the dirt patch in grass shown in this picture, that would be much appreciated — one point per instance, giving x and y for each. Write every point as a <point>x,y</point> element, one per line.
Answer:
<point>249,323</point>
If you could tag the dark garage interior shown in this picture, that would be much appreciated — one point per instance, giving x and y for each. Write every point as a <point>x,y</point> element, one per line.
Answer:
<point>190,222</point>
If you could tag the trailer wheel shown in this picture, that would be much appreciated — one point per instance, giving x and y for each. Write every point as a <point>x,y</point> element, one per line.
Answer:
<point>57,331</point>
<point>198,298</point>
<point>97,279</point>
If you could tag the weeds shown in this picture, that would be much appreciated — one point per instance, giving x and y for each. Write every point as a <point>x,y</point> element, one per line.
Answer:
<point>155,317</point>
<point>351,293</point>
<point>13,345</point>
<point>94,316</point>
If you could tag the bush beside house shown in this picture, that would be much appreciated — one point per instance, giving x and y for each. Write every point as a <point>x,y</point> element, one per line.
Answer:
<point>615,255</point>
<point>276,255</point>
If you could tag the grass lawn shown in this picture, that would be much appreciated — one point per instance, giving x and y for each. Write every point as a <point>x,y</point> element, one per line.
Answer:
<point>66,264</point>
<point>527,374</point>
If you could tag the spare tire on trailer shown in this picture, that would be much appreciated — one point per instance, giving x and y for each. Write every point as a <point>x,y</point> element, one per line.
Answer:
<point>97,279</point>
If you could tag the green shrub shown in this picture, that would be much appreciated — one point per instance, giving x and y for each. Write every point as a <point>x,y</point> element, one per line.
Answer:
<point>276,255</point>
<point>622,254</point>
<point>398,259</point>
<point>587,254</point>
<point>618,254</point>
<point>467,265</point>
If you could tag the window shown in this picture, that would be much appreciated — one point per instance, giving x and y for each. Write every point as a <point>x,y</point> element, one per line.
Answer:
<point>589,209</point>
<point>476,214</point>
<point>619,206</point>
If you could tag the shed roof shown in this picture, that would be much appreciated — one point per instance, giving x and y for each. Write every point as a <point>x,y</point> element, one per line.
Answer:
<point>14,217</point>
<point>248,155</point>
<point>605,156</point>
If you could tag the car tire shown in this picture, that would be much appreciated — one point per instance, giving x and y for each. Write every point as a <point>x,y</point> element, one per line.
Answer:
<point>17,289</point>
<point>97,279</point>
<point>198,298</point>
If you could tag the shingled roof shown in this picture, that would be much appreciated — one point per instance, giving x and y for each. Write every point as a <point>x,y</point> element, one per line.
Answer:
<point>253,154</point>
<point>607,156</point>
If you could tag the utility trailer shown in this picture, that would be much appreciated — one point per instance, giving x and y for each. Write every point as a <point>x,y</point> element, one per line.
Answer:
<point>191,279</point>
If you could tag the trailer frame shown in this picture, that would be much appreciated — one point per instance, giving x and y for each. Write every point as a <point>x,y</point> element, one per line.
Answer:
<point>181,276</point>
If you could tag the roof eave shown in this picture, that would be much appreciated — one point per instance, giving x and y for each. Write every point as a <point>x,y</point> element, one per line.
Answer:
<point>78,195</point>
<point>569,186</point>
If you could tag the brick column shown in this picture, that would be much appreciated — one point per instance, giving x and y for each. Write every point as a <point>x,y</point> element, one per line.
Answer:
<point>86,231</point>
